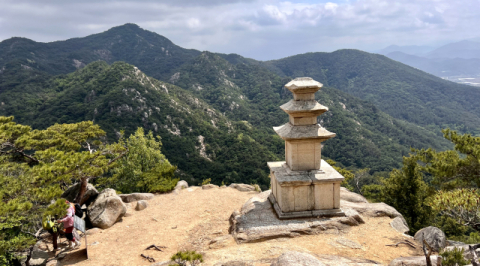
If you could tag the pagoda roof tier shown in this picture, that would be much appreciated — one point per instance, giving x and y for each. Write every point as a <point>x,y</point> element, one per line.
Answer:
<point>291,132</point>
<point>303,85</point>
<point>304,108</point>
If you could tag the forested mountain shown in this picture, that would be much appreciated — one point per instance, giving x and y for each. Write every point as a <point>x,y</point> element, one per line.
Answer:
<point>216,119</point>
<point>229,137</point>
<point>151,52</point>
<point>201,141</point>
<point>399,90</point>
<point>367,137</point>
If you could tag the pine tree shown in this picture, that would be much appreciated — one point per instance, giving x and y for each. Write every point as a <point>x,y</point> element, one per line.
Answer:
<point>144,168</point>
<point>36,165</point>
<point>406,191</point>
<point>457,168</point>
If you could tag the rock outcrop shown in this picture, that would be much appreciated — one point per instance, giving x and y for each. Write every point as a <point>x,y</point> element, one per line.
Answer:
<point>107,209</point>
<point>90,194</point>
<point>347,195</point>
<point>127,198</point>
<point>257,220</point>
<point>371,209</point>
<point>434,237</point>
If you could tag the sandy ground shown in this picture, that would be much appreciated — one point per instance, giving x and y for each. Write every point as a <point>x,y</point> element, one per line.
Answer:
<point>194,217</point>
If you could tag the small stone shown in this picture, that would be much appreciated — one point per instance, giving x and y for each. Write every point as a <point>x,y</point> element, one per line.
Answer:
<point>136,197</point>
<point>399,225</point>
<point>52,263</point>
<point>354,214</point>
<point>93,231</point>
<point>221,242</point>
<point>181,185</point>
<point>242,187</point>
<point>141,205</point>
<point>209,186</point>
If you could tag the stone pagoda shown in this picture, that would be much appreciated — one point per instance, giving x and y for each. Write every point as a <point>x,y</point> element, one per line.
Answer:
<point>304,185</point>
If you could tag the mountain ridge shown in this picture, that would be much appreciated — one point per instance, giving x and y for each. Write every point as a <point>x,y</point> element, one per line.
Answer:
<point>236,141</point>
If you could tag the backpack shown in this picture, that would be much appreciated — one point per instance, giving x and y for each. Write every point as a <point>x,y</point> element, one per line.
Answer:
<point>48,224</point>
<point>78,210</point>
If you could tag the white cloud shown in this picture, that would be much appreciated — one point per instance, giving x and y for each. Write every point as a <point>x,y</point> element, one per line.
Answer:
<point>263,29</point>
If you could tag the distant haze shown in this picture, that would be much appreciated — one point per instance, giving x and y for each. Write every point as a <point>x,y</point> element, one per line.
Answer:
<point>260,29</point>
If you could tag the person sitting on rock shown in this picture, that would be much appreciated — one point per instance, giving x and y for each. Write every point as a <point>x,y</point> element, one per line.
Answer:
<point>67,221</point>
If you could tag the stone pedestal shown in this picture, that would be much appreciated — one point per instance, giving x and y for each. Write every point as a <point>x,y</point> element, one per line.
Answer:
<point>304,185</point>
<point>297,194</point>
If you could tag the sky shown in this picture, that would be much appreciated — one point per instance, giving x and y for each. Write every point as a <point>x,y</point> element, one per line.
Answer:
<point>259,29</point>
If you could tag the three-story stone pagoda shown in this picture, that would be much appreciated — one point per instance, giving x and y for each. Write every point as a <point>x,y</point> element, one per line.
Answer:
<point>304,185</point>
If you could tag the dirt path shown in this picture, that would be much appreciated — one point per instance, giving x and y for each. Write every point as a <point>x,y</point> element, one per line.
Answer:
<point>194,217</point>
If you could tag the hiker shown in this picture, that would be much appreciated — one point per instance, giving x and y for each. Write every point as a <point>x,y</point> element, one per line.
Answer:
<point>68,226</point>
<point>49,225</point>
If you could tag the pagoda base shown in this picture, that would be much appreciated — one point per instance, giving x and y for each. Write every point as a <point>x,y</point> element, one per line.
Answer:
<point>301,194</point>
<point>304,214</point>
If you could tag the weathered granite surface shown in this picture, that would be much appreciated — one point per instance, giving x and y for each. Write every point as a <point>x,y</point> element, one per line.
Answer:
<point>399,226</point>
<point>434,236</point>
<point>257,221</point>
<point>347,195</point>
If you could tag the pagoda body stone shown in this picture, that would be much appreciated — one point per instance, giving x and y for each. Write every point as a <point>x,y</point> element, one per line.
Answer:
<point>304,185</point>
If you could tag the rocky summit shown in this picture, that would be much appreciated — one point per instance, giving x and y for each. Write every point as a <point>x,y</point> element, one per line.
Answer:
<point>232,226</point>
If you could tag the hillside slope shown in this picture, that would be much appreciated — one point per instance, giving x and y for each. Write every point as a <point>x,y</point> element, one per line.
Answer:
<point>151,52</point>
<point>399,90</point>
<point>227,137</point>
<point>366,136</point>
<point>201,141</point>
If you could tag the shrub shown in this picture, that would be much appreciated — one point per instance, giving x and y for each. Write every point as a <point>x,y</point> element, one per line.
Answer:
<point>184,258</point>
<point>453,257</point>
